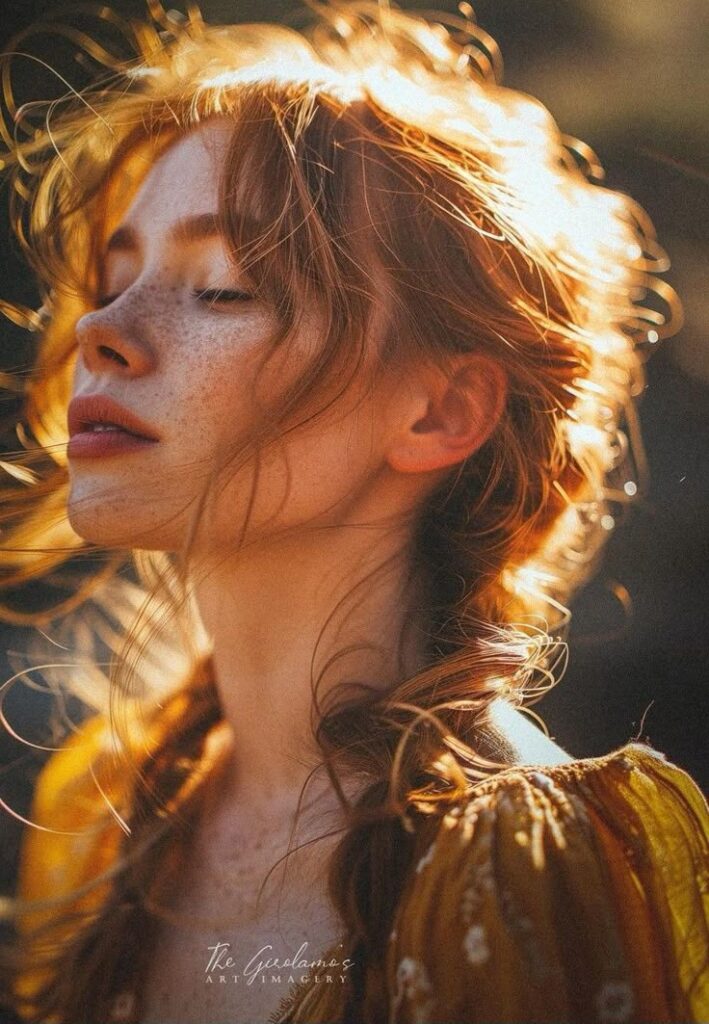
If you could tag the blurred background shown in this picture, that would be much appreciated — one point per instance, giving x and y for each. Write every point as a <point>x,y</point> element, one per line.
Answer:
<point>630,78</point>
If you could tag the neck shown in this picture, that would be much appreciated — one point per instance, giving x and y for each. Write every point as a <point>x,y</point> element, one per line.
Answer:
<point>281,615</point>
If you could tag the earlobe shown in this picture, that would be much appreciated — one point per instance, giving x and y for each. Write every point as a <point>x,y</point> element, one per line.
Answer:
<point>462,412</point>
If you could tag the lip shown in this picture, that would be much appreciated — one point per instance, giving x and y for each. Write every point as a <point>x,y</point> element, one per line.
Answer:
<point>130,433</point>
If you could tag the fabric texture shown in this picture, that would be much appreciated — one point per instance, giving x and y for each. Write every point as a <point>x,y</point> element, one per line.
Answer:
<point>577,892</point>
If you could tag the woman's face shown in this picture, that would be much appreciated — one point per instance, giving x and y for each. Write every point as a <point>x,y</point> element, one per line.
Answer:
<point>179,361</point>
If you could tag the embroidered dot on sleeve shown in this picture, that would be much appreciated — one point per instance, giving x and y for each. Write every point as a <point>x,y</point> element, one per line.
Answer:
<point>412,984</point>
<point>475,945</point>
<point>411,975</point>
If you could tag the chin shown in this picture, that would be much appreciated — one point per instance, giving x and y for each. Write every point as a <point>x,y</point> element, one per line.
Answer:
<point>122,520</point>
<point>116,514</point>
<point>106,529</point>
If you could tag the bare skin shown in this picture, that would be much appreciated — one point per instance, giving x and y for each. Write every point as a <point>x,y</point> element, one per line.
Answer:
<point>215,958</point>
<point>187,368</point>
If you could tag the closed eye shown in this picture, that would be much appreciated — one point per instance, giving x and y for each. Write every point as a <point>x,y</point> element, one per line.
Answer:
<point>211,295</point>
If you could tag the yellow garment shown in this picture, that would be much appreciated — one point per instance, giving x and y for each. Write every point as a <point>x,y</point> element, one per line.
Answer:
<point>570,894</point>
<point>86,838</point>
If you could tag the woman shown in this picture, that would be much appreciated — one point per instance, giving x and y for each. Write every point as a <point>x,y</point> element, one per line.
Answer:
<point>340,335</point>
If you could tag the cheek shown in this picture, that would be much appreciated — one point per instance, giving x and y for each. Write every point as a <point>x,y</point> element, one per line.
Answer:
<point>138,504</point>
<point>209,391</point>
<point>312,476</point>
<point>210,386</point>
<point>226,375</point>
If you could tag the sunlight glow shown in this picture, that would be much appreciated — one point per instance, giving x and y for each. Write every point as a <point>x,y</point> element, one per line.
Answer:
<point>517,182</point>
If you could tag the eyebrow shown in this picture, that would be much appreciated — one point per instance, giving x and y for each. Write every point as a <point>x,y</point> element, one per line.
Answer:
<point>188,229</point>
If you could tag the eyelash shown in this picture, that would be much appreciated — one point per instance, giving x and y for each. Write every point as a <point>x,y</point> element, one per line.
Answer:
<point>208,295</point>
<point>222,295</point>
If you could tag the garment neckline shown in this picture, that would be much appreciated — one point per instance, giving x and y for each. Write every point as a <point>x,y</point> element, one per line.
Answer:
<point>628,755</point>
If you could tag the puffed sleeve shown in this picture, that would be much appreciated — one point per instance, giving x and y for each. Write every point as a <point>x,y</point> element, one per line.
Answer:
<point>572,893</point>
<point>73,837</point>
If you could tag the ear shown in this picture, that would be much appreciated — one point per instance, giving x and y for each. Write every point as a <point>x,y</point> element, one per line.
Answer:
<point>449,416</point>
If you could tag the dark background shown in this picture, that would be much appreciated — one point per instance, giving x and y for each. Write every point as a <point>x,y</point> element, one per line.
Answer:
<point>629,78</point>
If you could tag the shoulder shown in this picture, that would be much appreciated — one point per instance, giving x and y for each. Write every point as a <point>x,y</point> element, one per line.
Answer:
<point>83,797</point>
<point>575,891</point>
<point>77,818</point>
<point>510,736</point>
<point>79,778</point>
<point>73,825</point>
<point>71,838</point>
<point>66,770</point>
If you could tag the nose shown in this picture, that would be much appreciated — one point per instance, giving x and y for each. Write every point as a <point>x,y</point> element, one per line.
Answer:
<point>109,342</point>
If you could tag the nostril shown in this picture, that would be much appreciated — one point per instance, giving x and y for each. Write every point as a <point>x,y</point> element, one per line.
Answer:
<point>110,353</point>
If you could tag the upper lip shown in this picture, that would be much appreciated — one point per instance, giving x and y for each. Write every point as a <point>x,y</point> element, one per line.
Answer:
<point>87,411</point>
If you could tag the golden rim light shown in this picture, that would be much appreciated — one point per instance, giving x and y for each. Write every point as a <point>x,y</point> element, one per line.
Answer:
<point>440,74</point>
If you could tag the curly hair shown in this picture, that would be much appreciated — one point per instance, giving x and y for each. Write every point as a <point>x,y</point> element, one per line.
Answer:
<point>385,160</point>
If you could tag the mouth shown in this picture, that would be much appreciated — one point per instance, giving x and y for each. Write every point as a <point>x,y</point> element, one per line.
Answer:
<point>102,414</point>
<point>104,440</point>
<point>100,426</point>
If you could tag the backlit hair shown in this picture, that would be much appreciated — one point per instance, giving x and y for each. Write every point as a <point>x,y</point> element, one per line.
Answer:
<point>375,159</point>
